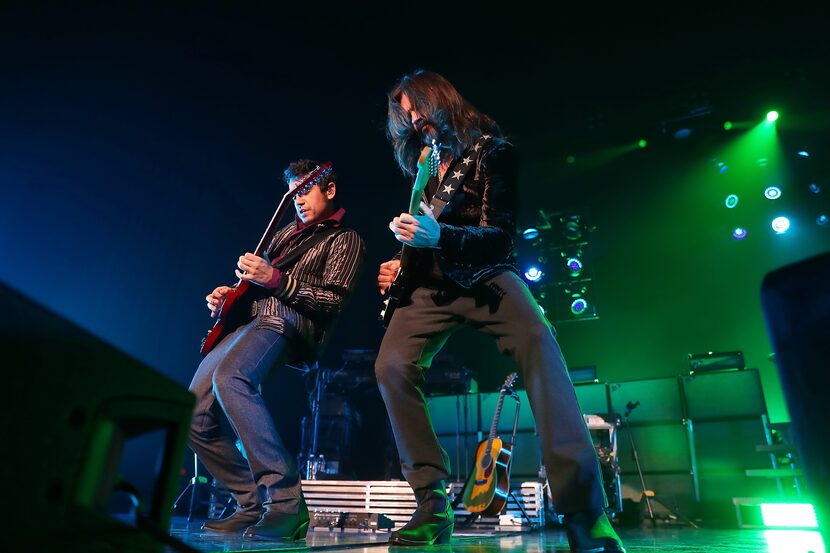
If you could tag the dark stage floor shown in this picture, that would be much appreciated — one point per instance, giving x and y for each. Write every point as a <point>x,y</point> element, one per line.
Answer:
<point>675,540</point>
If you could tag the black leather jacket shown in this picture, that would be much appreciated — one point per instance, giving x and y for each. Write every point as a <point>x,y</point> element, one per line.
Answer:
<point>479,223</point>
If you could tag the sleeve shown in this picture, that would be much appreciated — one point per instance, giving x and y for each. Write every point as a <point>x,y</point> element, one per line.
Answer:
<point>343,263</point>
<point>492,239</point>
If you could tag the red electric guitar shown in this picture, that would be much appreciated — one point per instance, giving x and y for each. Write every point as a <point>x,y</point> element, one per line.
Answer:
<point>236,309</point>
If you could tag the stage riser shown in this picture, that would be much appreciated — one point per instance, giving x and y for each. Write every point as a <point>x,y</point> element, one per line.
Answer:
<point>396,500</point>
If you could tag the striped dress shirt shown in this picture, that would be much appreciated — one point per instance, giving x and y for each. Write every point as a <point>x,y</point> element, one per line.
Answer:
<point>311,293</point>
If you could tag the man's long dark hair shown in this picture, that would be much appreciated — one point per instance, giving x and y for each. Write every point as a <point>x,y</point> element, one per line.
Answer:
<point>456,121</point>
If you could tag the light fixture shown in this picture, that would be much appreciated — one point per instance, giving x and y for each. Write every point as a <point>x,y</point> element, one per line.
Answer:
<point>579,306</point>
<point>772,116</point>
<point>772,193</point>
<point>780,225</point>
<point>533,274</point>
<point>731,201</point>
<point>574,266</point>
<point>530,233</point>
<point>793,515</point>
<point>739,233</point>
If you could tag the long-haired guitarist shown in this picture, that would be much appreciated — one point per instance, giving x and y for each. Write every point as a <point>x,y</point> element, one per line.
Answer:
<point>299,287</point>
<point>462,273</point>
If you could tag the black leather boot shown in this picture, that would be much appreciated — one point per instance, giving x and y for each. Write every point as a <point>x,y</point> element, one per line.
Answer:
<point>432,522</point>
<point>278,525</point>
<point>589,532</point>
<point>237,522</point>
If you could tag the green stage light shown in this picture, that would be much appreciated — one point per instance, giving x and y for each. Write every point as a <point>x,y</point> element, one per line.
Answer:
<point>789,515</point>
<point>570,159</point>
<point>772,116</point>
<point>792,541</point>
<point>727,125</point>
<point>642,143</point>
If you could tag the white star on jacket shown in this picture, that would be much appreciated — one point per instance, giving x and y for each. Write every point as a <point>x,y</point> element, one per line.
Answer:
<point>448,189</point>
<point>457,174</point>
<point>467,160</point>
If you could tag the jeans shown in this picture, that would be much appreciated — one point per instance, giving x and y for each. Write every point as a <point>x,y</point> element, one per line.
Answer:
<point>229,406</point>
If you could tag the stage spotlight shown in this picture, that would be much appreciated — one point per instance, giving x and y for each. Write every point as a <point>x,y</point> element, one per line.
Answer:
<point>578,306</point>
<point>822,220</point>
<point>530,233</point>
<point>680,134</point>
<point>772,193</point>
<point>731,201</point>
<point>780,225</point>
<point>533,274</point>
<point>739,233</point>
<point>572,227</point>
<point>797,515</point>
<point>772,116</point>
<point>570,159</point>
<point>642,143</point>
<point>727,125</point>
<point>814,188</point>
<point>803,153</point>
<point>574,266</point>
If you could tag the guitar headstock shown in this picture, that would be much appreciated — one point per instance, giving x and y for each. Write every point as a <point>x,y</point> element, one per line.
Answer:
<point>312,179</point>
<point>422,177</point>
<point>421,180</point>
<point>508,382</point>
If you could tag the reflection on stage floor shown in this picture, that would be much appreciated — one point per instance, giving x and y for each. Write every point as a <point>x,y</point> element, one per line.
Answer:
<point>667,539</point>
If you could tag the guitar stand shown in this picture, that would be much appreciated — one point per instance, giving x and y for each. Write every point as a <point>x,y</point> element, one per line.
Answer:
<point>510,494</point>
<point>648,495</point>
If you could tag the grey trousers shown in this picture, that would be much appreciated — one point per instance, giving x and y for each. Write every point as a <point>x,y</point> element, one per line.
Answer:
<point>504,308</point>
<point>229,406</point>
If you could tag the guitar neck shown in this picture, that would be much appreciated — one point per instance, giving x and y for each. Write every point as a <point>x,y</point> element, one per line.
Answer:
<point>273,226</point>
<point>494,426</point>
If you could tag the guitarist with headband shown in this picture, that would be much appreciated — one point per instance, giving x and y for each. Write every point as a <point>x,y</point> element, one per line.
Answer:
<point>290,291</point>
<point>457,269</point>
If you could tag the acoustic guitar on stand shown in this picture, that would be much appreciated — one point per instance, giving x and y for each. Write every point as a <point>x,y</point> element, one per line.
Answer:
<point>488,486</point>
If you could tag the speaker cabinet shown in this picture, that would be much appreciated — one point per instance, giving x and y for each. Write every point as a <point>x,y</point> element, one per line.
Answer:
<point>76,401</point>
<point>796,304</point>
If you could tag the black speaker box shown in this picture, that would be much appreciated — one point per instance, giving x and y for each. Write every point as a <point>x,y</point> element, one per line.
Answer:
<point>74,402</point>
<point>796,304</point>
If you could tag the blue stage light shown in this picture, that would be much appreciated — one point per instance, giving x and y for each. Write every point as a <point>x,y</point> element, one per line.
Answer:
<point>533,274</point>
<point>530,233</point>
<point>780,225</point>
<point>578,306</point>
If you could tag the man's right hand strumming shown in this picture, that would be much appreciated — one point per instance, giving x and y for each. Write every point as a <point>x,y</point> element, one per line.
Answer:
<point>388,272</point>
<point>215,298</point>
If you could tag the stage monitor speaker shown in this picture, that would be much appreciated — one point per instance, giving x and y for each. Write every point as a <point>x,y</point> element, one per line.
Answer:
<point>796,305</point>
<point>593,397</point>
<point>719,395</point>
<point>75,402</point>
<point>659,400</point>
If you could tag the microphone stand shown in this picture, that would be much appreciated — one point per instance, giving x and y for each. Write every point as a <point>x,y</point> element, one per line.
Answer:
<point>648,495</point>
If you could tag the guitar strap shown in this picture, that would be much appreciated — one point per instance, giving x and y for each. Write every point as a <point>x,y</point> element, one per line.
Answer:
<point>456,175</point>
<point>287,260</point>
